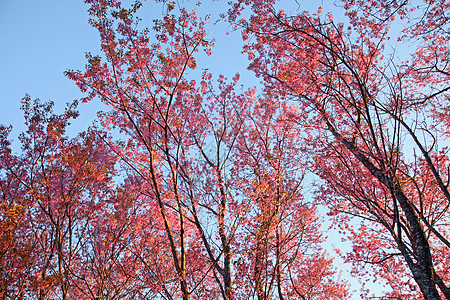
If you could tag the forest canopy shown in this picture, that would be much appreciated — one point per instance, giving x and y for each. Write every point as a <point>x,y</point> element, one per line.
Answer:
<point>192,186</point>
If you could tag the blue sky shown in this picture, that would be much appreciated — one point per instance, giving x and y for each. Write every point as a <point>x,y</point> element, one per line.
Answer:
<point>41,39</point>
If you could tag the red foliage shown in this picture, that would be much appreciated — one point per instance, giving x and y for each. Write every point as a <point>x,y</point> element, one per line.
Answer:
<point>377,127</point>
<point>194,189</point>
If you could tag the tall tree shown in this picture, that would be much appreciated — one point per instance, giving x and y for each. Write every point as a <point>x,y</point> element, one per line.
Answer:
<point>187,146</point>
<point>378,125</point>
<point>47,193</point>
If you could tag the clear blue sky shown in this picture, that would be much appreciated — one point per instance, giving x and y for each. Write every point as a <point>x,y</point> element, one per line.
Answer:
<point>40,40</point>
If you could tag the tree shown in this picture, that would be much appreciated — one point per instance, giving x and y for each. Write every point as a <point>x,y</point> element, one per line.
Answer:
<point>377,127</point>
<point>283,253</point>
<point>187,150</point>
<point>47,194</point>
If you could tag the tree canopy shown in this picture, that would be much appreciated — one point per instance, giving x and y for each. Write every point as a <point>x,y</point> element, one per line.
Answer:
<point>191,186</point>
